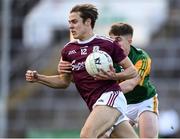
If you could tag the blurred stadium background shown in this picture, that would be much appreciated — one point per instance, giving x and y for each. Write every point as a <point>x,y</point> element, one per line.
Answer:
<point>32,32</point>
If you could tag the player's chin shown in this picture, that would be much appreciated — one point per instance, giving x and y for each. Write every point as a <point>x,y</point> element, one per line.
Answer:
<point>75,36</point>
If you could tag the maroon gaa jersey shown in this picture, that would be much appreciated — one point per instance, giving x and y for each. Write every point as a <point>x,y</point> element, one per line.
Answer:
<point>77,52</point>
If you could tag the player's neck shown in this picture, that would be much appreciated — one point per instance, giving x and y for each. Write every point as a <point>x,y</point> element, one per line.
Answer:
<point>87,39</point>
<point>87,36</point>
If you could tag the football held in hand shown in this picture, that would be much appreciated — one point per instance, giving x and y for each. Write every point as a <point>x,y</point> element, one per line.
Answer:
<point>96,61</point>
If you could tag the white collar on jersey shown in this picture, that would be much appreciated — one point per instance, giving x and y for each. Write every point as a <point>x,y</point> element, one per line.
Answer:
<point>88,40</point>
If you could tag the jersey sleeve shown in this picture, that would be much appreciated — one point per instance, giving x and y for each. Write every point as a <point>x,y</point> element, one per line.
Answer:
<point>118,53</point>
<point>143,66</point>
<point>64,54</point>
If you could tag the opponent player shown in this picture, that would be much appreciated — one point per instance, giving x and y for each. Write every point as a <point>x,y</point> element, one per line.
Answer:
<point>103,97</point>
<point>140,93</point>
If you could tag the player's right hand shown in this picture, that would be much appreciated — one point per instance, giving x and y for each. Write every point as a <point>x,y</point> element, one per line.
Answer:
<point>107,75</point>
<point>31,76</point>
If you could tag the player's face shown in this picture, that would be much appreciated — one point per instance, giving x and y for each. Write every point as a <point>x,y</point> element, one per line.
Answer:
<point>78,29</point>
<point>123,41</point>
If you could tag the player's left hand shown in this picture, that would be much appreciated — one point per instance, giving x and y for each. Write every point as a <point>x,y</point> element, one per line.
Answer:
<point>64,67</point>
<point>109,75</point>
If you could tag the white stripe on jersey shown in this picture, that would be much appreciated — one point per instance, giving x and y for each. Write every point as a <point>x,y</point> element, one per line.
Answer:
<point>104,38</point>
<point>90,39</point>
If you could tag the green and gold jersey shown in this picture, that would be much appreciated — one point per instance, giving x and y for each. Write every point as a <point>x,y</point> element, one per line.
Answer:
<point>145,89</point>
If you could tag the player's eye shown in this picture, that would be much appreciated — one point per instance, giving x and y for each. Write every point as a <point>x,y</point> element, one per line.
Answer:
<point>118,39</point>
<point>73,21</point>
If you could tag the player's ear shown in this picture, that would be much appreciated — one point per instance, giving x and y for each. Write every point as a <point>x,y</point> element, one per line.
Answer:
<point>130,41</point>
<point>88,21</point>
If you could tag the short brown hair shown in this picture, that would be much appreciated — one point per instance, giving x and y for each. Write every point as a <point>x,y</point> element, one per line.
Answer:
<point>119,29</point>
<point>86,11</point>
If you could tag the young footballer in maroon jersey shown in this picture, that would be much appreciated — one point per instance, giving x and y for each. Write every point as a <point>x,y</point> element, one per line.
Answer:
<point>103,97</point>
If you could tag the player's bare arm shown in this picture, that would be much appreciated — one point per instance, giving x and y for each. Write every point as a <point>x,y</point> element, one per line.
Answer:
<point>55,81</point>
<point>64,66</point>
<point>129,72</point>
<point>130,84</point>
<point>109,75</point>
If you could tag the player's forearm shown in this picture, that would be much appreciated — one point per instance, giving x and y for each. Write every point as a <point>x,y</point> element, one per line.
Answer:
<point>55,81</point>
<point>128,85</point>
<point>128,73</point>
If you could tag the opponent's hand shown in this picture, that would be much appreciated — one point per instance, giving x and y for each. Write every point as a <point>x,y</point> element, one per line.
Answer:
<point>31,76</point>
<point>64,67</point>
<point>109,75</point>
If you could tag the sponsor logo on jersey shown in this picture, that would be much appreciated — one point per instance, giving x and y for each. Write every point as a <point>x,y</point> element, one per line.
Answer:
<point>77,66</point>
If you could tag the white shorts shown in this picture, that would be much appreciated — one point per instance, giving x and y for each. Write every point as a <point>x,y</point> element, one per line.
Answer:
<point>135,110</point>
<point>116,100</point>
